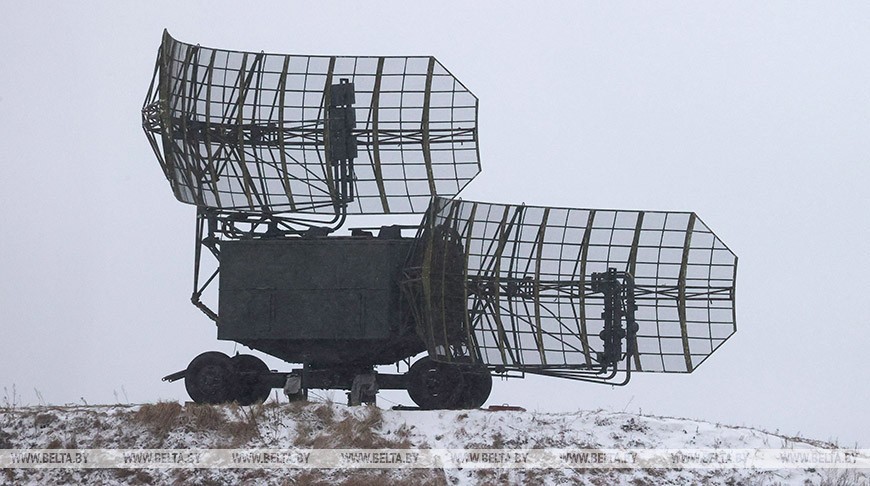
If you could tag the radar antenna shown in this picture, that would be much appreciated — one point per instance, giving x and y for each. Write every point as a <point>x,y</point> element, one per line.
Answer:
<point>276,151</point>
<point>546,290</point>
<point>270,139</point>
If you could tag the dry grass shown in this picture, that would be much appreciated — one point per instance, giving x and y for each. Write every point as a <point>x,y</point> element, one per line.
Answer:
<point>308,478</point>
<point>366,477</point>
<point>204,417</point>
<point>842,477</point>
<point>352,432</point>
<point>319,425</point>
<point>134,476</point>
<point>292,407</point>
<point>5,440</point>
<point>310,426</point>
<point>497,441</point>
<point>202,477</point>
<point>325,413</point>
<point>321,428</point>
<point>246,426</point>
<point>10,399</point>
<point>43,420</point>
<point>160,418</point>
<point>499,477</point>
<point>304,432</point>
<point>633,425</point>
<point>404,434</point>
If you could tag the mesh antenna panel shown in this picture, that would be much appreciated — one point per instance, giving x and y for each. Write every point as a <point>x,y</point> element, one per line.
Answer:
<point>245,131</point>
<point>513,286</point>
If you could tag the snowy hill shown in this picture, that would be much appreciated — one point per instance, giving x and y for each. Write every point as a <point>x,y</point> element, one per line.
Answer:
<point>327,426</point>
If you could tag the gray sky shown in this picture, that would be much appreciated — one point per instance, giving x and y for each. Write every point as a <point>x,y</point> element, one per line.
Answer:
<point>755,115</point>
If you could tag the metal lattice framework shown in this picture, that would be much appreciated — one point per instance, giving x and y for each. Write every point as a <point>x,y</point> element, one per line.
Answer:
<point>244,131</point>
<point>520,277</point>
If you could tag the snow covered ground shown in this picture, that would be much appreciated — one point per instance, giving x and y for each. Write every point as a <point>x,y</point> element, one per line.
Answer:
<point>325,425</point>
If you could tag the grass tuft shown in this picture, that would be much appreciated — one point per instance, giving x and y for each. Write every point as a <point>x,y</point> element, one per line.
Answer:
<point>204,417</point>
<point>325,413</point>
<point>161,417</point>
<point>43,420</point>
<point>5,440</point>
<point>246,426</point>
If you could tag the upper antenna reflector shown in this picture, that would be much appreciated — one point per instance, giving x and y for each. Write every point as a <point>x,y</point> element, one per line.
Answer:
<point>245,131</point>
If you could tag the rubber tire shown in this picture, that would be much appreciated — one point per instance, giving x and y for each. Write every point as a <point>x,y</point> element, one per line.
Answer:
<point>435,386</point>
<point>250,388</point>
<point>211,378</point>
<point>477,386</point>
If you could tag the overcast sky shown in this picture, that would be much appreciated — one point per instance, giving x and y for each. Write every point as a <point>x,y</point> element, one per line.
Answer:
<point>755,115</point>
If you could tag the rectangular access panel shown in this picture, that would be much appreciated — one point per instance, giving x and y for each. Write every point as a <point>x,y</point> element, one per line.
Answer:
<point>335,288</point>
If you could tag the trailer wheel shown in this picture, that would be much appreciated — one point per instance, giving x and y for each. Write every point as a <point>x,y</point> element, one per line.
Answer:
<point>250,388</point>
<point>211,378</point>
<point>478,385</point>
<point>435,386</point>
